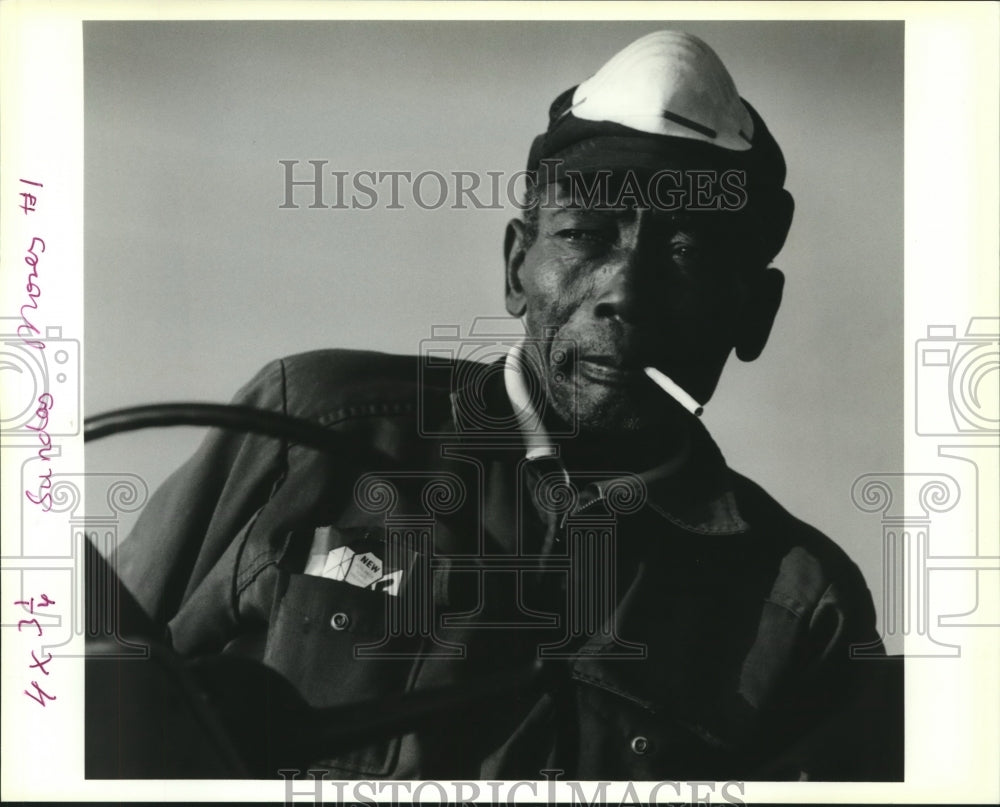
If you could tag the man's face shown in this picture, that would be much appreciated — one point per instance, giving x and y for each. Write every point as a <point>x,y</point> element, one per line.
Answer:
<point>628,288</point>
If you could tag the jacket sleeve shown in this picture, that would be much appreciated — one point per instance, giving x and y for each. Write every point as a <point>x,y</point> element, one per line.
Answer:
<point>193,518</point>
<point>852,698</point>
<point>861,739</point>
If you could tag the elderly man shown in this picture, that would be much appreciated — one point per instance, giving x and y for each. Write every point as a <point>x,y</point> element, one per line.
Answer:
<point>565,504</point>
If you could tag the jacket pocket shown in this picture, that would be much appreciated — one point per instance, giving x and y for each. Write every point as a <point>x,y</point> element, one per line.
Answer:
<point>316,629</point>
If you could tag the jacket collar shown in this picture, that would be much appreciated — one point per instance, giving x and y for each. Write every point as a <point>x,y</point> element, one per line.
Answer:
<point>692,490</point>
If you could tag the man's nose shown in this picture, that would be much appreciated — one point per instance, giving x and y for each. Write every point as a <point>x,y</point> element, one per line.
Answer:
<point>622,290</point>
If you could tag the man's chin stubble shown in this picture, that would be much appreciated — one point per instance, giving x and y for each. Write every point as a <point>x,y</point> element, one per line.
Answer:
<point>603,419</point>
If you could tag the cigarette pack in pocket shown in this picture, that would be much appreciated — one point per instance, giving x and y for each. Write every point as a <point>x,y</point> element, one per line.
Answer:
<point>361,557</point>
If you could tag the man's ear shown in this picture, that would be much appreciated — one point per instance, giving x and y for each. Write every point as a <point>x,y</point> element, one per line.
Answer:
<point>762,304</point>
<point>513,254</point>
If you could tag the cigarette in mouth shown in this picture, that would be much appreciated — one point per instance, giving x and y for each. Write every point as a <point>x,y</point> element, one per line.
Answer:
<point>666,384</point>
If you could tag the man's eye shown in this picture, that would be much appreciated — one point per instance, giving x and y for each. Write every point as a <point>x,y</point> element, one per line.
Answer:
<point>685,251</point>
<point>585,236</point>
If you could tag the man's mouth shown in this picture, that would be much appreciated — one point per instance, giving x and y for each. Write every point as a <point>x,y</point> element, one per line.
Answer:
<point>610,370</point>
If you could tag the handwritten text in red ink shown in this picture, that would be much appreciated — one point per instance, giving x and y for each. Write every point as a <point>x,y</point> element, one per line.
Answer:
<point>27,327</point>
<point>40,696</point>
<point>42,498</point>
<point>29,200</point>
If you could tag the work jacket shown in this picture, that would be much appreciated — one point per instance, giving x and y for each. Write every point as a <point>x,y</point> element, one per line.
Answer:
<point>700,631</point>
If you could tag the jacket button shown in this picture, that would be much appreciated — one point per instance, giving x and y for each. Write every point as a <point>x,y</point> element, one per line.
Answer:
<point>339,621</point>
<point>640,745</point>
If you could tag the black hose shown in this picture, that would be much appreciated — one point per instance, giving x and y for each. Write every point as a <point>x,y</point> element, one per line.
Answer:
<point>224,416</point>
<point>317,731</point>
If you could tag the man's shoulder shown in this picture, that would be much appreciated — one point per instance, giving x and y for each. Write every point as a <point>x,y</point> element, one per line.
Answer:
<point>812,558</point>
<point>339,383</point>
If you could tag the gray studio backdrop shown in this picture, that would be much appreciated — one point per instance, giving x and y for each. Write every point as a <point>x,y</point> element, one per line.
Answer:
<point>195,276</point>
